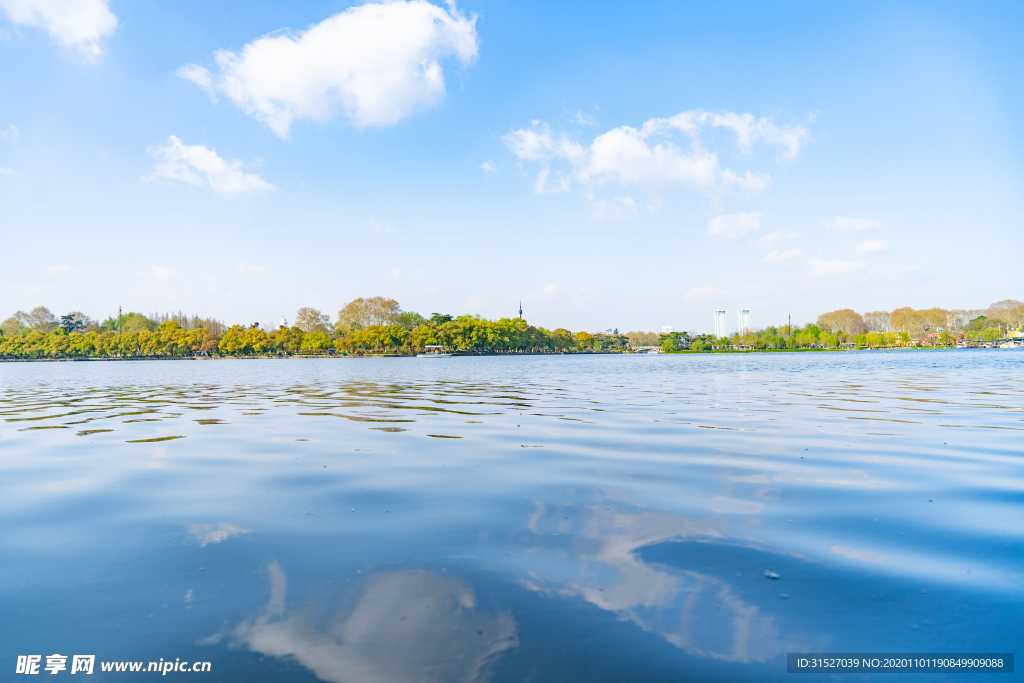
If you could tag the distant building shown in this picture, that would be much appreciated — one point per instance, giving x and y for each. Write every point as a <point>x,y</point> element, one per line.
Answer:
<point>744,323</point>
<point>284,322</point>
<point>665,329</point>
<point>720,330</point>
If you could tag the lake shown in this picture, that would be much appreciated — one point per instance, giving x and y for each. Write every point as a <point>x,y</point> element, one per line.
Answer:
<point>536,518</point>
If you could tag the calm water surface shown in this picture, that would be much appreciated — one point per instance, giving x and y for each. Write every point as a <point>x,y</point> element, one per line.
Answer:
<point>596,518</point>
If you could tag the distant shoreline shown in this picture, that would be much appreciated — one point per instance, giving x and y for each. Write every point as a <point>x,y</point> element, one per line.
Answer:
<point>457,354</point>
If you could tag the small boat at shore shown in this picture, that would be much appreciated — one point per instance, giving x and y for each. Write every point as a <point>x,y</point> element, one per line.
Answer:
<point>433,352</point>
<point>1012,344</point>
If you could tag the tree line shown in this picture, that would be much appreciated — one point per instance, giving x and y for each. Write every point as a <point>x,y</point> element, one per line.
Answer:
<point>379,325</point>
<point>374,325</point>
<point>902,327</point>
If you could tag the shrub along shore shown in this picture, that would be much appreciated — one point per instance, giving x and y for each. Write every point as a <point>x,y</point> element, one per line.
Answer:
<point>378,326</point>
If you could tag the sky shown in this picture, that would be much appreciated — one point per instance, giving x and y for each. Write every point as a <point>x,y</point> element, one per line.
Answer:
<point>609,165</point>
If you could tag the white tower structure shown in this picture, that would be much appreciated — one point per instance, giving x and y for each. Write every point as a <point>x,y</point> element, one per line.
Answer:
<point>720,330</point>
<point>744,324</point>
<point>665,329</point>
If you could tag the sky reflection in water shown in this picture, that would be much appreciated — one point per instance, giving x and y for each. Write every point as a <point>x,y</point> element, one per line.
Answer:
<point>597,518</point>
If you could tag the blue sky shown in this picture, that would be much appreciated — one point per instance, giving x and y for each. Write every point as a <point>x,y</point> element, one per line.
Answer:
<point>622,165</point>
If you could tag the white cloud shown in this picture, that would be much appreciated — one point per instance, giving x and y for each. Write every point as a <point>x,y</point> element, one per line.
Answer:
<point>704,293</point>
<point>853,224</point>
<point>647,156</point>
<point>396,273</point>
<point>197,165</point>
<point>6,171</point>
<point>162,273</point>
<point>200,76</point>
<point>734,225</point>
<point>489,167</point>
<point>773,240</point>
<point>831,268</point>
<point>537,143</point>
<point>614,209</point>
<point>255,270</point>
<point>10,133</point>
<point>77,25</point>
<point>205,534</point>
<point>624,155</point>
<point>382,228</point>
<point>749,130</point>
<point>377,63</point>
<point>872,246</point>
<point>783,258</point>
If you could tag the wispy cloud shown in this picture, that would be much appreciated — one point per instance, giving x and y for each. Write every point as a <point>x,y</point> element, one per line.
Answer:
<point>822,269</point>
<point>248,268</point>
<point>582,119</point>
<point>382,228</point>
<point>376,63</point>
<point>853,224</point>
<point>734,225</point>
<point>614,209</point>
<point>872,246</point>
<point>197,165</point>
<point>11,132</point>
<point>75,25</point>
<point>205,534</point>
<point>773,240</point>
<point>784,258</point>
<point>548,291</point>
<point>489,166</point>
<point>6,171</point>
<point>162,274</point>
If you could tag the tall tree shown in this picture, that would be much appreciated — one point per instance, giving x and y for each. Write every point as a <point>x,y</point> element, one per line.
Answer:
<point>844,320</point>
<point>1008,310</point>
<point>310,320</point>
<point>360,313</point>
<point>41,319</point>
<point>16,324</point>
<point>877,321</point>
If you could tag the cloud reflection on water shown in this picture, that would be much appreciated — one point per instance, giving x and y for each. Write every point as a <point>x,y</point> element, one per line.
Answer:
<point>699,613</point>
<point>395,627</point>
<point>205,534</point>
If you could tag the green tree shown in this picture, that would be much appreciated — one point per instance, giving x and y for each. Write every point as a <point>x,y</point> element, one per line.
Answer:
<point>71,323</point>
<point>316,342</point>
<point>410,320</point>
